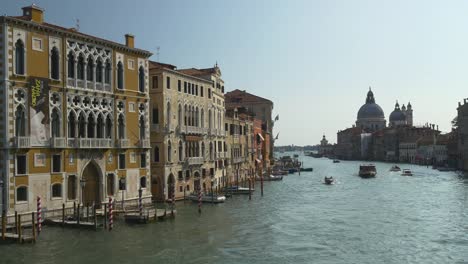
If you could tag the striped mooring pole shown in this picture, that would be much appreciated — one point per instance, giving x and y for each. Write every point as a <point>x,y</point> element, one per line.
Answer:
<point>39,215</point>
<point>140,202</point>
<point>111,220</point>
<point>199,200</point>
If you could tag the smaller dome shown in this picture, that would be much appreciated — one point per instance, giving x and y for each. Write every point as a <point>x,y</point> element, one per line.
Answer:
<point>397,115</point>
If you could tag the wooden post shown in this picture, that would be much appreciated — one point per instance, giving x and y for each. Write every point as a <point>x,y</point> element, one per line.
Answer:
<point>63,214</point>
<point>4,221</point>
<point>250,189</point>
<point>33,226</point>
<point>16,221</point>
<point>74,210</point>
<point>19,229</point>
<point>78,215</point>
<point>105,216</point>
<point>87,213</point>
<point>95,217</point>
<point>261,180</point>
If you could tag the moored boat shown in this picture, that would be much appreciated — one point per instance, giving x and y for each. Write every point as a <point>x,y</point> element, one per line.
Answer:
<point>336,161</point>
<point>238,190</point>
<point>329,180</point>
<point>367,171</point>
<point>307,169</point>
<point>279,173</point>
<point>270,178</point>
<point>395,168</point>
<point>407,172</point>
<point>207,198</point>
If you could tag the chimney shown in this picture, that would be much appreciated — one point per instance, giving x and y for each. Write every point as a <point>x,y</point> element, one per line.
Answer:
<point>34,13</point>
<point>130,41</point>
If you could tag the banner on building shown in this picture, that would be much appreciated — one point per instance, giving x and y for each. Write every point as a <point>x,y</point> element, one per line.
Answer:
<point>39,111</point>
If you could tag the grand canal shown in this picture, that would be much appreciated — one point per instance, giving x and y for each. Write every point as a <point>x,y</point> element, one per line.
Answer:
<point>389,219</point>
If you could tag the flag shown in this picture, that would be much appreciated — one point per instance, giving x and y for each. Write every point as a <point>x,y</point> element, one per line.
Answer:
<point>277,117</point>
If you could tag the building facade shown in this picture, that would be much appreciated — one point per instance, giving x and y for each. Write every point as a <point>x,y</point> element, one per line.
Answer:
<point>187,131</point>
<point>462,121</point>
<point>74,115</point>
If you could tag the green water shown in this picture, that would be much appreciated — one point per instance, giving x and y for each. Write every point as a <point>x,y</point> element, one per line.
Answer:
<point>389,219</point>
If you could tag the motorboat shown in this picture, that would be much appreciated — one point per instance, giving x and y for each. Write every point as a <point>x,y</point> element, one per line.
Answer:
<point>307,169</point>
<point>367,171</point>
<point>279,173</point>
<point>270,178</point>
<point>329,180</point>
<point>238,190</point>
<point>407,172</point>
<point>207,198</point>
<point>336,161</point>
<point>395,168</point>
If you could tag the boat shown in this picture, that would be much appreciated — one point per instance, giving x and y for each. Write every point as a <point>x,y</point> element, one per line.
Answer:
<point>367,171</point>
<point>296,156</point>
<point>336,161</point>
<point>307,169</point>
<point>207,198</point>
<point>329,180</point>
<point>292,170</point>
<point>238,190</point>
<point>279,173</point>
<point>395,168</point>
<point>270,178</point>
<point>407,172</point>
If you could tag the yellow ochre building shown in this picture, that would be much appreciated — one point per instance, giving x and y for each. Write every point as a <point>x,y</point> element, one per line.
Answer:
<point>74,116</point>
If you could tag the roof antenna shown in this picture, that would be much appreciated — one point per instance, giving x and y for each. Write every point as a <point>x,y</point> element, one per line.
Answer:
<point>77,26</point>
<point>157,53</point>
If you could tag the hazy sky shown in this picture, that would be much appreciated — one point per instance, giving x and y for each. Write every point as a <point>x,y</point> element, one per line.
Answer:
<point>314,59</point>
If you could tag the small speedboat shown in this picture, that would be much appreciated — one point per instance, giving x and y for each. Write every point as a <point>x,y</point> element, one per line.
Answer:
<point>395,168</point>
<point>336,161</point>
<point>270,178</point>
<point>307,169</point>
<point>407,172</point>
<point>279,173</point>
<point>329,180</point>
<point>367,171</point>
<point>207,198</point>
<point>238,190</point>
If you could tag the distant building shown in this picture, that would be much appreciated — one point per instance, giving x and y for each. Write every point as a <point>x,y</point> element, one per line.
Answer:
<point>348,145</point>
<point>462,121</point>
<point>325,149</point>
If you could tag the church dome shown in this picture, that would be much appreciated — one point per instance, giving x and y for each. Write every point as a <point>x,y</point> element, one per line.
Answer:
<point>370,109</point>
<point>397,114</point>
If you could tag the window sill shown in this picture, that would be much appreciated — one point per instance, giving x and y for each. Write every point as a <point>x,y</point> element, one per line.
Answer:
<point>20,76</point>
<point>21,202</point>
<point>56,198</point>
<point>26,174</point>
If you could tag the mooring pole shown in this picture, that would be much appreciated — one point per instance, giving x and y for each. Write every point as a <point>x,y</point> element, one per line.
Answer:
<point>78,214</point>
<point>16,221</point>
<point>4,221</point>
<point>105,216</point>
<point>33,220</point>
<point>261,180</point>
<point>63,214</point>
<point>39,215</point>
<point>199,200</point>
<point>19,229</point>
<point>250,189</point>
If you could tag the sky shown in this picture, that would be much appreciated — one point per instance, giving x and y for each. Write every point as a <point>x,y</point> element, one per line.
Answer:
<point>314,59</point>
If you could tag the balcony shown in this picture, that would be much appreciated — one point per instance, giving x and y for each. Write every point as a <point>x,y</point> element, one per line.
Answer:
<point>220,155</point>
<point>22,142</point>
<point>238,160</point>
<point>100,143</point>
<point>221,133</point>
<point>58,142</point>
<point>123,143</point>
<point>144,143</point>
<point>73,143</point>
<point>212,131</point>
<point>194,130</point>
<point>195,160</point>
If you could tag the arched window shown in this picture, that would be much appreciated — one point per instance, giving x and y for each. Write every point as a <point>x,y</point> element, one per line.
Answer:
<point>169,151</point>
<point>197,149</point>
<point>197,116</point>
<point>185,115</point>
<point>168,117</point>
<point>107,72</point>
<point>71,125</point>
<point>22,194</point>
<point>181,151</point>
<point>91,126</point>
<point>142,127</point>
<point>80,72</point>
<point>20,122</point>
<point>108,127</point>
<point>143,182</point>
<point>71,189</point>
<point>203,149</point>
<point>90,69</point>
<point>71,65</point>
<point>55,123</point>
<point>82,126</point>
<point>211,150</point>
<point>56,190</point>
<point>54,64</point>
<point>210,119</point>
<point>156,154</point>
<point>141,78</point>
<point>19,57</point>
<point>121,130</point>
<point>100,127</point>
<point>202,118</point>
<point>119,75</point>
<point>179,116</point>
<point>99,71</point>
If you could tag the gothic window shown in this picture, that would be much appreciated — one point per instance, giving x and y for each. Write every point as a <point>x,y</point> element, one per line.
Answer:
<point>168,114</point>
<point>203,149</point>
<point>155,116</point>
<point>210,121</point>
<point>202,118</point>
<point>71,125</point>
<point>100,127</point>
<point>90,69</point>
<point>121,130</point>
<point>141,78</point>
<point>179,116</point>
<point>80,72</point>
<point>71,65</point>
<point>211,150</point>
<point>107,72</point>
<point>54,64</point>
<point>181,151</point>
<point>185,115</point>
<point>120,75</point>
<point>142,127</point>
<point>156,154</point>
<point>91,126</point>
<point>99,71</point>
<point>20,124</point>
<point>19,57</point>
<point>55,123</point>
<point>108,127</point>
<point>169,151</point>
<point>81,126</point>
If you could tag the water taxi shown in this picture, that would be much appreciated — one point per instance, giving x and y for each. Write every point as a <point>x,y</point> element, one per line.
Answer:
<point>407,172</point>
<point>367,171</point>
<point>395,168</point>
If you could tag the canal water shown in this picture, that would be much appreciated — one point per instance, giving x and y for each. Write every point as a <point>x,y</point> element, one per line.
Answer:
<point>388,219</point>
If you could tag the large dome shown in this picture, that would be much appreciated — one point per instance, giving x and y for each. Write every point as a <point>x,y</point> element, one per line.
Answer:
<point>370,110</point>
<point>397,115</point>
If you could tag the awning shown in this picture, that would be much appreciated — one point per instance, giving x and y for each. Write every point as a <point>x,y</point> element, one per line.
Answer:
<point>261,137</point>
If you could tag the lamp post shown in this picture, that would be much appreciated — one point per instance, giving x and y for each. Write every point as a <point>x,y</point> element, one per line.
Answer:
<point>82,184</point>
